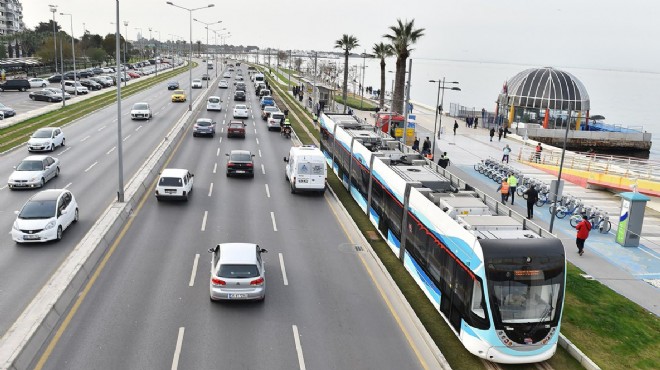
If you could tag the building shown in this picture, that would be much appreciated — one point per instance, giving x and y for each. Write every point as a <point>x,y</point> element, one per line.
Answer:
<point>11,19</point>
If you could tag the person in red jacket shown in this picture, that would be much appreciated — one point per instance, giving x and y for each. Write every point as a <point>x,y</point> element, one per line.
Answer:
<point>583,229</point>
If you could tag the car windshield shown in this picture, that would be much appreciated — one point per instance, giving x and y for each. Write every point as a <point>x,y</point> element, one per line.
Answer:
<point>239,93</point>
<point>214,100</point>
<point>204,123</point>
<point>40,134</point>
<point>30,166</point>
<point>38,209</point>
<point>141,106</point>
<point>173,83</point>
<point>170,181</point>
<point>238,271</point>
<point>240,157</point>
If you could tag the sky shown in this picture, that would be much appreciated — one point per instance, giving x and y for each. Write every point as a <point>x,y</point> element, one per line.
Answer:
<point>600,34</point>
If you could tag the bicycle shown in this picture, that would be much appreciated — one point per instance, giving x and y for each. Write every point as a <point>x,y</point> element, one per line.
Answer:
<point>603,223</point>
<point>572,208</point>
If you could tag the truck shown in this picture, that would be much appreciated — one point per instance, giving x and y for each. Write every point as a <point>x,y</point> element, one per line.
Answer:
<point>306,169</point>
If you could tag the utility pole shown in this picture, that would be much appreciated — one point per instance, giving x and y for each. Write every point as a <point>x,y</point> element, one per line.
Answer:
<point>407,105</point>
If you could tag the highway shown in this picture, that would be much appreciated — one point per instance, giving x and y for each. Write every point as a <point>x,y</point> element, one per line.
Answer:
<point>149,307</point>
<point>89,169</point>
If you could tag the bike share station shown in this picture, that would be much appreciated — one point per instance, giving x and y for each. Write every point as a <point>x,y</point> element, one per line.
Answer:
<point>631,218</point>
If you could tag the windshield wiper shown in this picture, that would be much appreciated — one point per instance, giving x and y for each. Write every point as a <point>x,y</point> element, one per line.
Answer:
<point>545,315</point>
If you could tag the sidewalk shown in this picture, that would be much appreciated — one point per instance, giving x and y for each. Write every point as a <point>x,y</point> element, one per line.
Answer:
<point>632,272</point>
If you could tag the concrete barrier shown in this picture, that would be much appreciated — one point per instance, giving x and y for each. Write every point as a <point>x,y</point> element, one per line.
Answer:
<point>26,337</point>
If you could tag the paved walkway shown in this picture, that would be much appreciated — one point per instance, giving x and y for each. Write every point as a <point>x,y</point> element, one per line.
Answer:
<point>632,272</point>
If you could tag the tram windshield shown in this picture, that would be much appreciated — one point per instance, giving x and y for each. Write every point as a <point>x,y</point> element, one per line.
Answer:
<point>526,296</point>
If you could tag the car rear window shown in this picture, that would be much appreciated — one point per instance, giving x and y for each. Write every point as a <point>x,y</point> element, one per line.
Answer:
<point>238,271</point>
<point>240,157</point>
<point>170,181</point>
<point>214,100</point>
<point>277,116</point>
<point>203,123</point>
<point>236,126</point>
<point>141,106</point>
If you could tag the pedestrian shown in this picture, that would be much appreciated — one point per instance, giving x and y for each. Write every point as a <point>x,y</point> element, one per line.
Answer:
<point>513,184</point>
<point>444,160</point>
<point>476,122</point>
<point>455,127</point>
<point>426,147</point>
<point>492,133</point>
<point>506,151</point>
<point>410,108</point>
<point>532,197</point>
<point>415,146</point>
<point>504,191</point>
<point>583,229</point>
<point>537,153</point>
<point>286,112</point>
<point>500,132</point>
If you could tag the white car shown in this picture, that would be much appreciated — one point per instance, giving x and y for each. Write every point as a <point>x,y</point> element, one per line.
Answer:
<point>107,70</point>
<point>197,83</point>
<point>47,138</point>
<point>223,84</point>
<point>141,111</point>
<point>74,87</point>
<point>38,82</point>
<point>214,103</point>
<point>67,96</point>
<point>34,171</point>
<point>174,183</point>
<point>241,111</point>
<point>45,216</point>
<point>226,75</point>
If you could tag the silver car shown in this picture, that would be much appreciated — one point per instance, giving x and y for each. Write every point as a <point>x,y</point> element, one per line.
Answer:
<point>33,172</point>
<point>46,139</point>
<point>237,272</point>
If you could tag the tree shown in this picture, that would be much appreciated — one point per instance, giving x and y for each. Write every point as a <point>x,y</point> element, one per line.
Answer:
<point>382,51</point>
<point>282,57</point>
<point>45,27</point>
<point>3,51</point>
<point>108,44</point>
<point>297,63</point>
<point>97,55</point>
<point>403,36</point>
<point>199,47</point>
<point>346,43</point>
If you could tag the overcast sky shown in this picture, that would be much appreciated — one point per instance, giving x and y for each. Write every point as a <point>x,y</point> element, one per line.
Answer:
<point>604,34</point>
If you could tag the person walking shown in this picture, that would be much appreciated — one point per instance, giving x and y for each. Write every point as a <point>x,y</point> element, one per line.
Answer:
<point>504,191</point>
<point>455,127</point>
<point>415,145</point>
<point>426,147</point>
<point>506,151</point>
<point>500,132</point>
<point>537,153</point>
<point>513,184</point>
<point>532,197</point>
<point>492,133</point>
<point>583,229</point>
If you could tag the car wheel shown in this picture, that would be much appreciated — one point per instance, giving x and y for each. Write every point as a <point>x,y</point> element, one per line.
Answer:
<point>57,171</point>
<point>75,217</point>
<point>23,89</point>
<point>63,140</point>
<point>52,147</point>
<point>42,183</point>
<point>50,100</point>
<point>43,85</point>
<point>59,233</point>
<point>293,189</point>
<point>32,98</point>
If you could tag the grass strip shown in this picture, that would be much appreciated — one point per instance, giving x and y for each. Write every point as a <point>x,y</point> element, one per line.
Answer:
<point>353,101</point>
<point>19,133</point>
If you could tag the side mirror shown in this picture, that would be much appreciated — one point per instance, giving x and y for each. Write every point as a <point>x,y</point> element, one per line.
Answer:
<point>64,211</point>
<point>192,175</point>
<point>14,167</point>
<point>262,250</point>
<point>252,155</point>
<point>227,154</point>
<point>286,159</point>
<point>16,213</point>
<point>211,250</point>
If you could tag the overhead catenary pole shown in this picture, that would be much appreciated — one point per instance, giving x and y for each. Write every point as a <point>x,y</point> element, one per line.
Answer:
<point>53,9</point>
<point>120,162</point>
<point>554,195</point>
<point>125,51</point>
<point>73,51</point>
<point>407,105</point>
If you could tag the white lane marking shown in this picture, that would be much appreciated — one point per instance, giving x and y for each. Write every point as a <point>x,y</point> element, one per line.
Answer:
<point>263,169</point>
<point>138,128</point>
<point>222,130</point>
<point>255,130</point>
<point>67,185</point>
<point>286,281</point>
<point>101,128</point>
<point>64,151</point>
<point>267,191</point>
<point>254,123</point>
<point>259,152</point>
<point>215,167</point>
<point>220,141</point>
<point>272,217</point>
<point>2,188</point>
<point>211,190</point>
<point>296,338</point>
<point>126,138</point>
<point>223,121</point>
<point>85,138</point>
<point>257,140</point>
<point>206,213</point>
<point>90,167</point>
<point>217,152</point>
<point>177,350</point>
<point>194,271</point>
<point>111,150</point>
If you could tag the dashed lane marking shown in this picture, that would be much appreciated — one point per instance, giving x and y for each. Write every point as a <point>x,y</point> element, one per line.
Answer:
<point>267,191</point>
<point>90,167</point>
<point>111,150</point>
<point>194,270</point>
<point>206,213</point>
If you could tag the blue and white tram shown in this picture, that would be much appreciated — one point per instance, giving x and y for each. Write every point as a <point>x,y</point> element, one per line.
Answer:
<point>502,296</point>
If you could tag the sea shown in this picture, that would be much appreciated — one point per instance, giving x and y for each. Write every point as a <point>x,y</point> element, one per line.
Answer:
<point>626,98</point>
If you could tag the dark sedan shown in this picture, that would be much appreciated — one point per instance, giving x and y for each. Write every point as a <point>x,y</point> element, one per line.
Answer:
<point>45,95</point>
<point>101,81</point>
<point>172,85</point>
<point>85,74</point>
<point>91,85</point>
<point>240,162</point>
<point>239,96</point>
<point>6,111</point>
<point>55,78</point>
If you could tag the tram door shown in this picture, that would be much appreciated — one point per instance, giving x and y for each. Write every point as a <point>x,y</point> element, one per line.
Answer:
<point>447,299</point>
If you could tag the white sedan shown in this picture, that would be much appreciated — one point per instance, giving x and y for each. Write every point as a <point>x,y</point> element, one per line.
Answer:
<point>47,138</point>
<point>223,84</point>
<point>38,82</point>
<point>45,216</point>
<point>197,83</point>
<point>227,75</point>
<point>34,171</point>
<point>241,111</point>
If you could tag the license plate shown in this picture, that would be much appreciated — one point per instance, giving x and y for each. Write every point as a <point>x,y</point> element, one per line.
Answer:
<point>236,295</point>
<point>240,171</point>
<point>170,191</point>
<point>303,181</point>
<point>30,237</point>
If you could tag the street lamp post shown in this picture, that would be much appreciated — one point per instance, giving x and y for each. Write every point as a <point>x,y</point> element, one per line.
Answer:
<point>139,39</point>
<point>73,51</point>
<point>190,55</point>
<point>120,161</point>
<point>156,51</point>
<point>554,195</point>
<point>364,56</point>
<point>207,46</point>
<point>439,106</point>
<point>53,9</point>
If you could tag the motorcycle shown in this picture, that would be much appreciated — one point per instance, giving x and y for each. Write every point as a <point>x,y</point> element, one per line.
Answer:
<point>286,132</point>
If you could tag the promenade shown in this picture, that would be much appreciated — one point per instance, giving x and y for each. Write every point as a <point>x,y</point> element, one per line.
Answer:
<point>632,272</point>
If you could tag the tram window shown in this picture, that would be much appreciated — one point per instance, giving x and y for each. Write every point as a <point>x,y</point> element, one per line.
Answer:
<point>377,197</point>
<point>477,305</point>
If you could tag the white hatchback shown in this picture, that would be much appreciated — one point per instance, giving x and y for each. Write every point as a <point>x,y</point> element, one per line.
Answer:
<point>241,111</point>
<point>174,183</point>
<point>214,103</point>
<point>47,138</point>
<point>223,84</point>
<point>197,83</point>
<point>141,111</point>
<point>45,216</point>
<point>38,82</point>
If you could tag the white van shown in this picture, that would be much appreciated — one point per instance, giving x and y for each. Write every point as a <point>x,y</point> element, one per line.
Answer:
<point>305,169</point>
<point>214,103</point>
<point>258,78</point>
<point>174,183</point>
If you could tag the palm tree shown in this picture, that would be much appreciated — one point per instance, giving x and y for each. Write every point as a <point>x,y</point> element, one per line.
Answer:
<point>403,36</point>
<point>382,51</point>
<point>346,43</point>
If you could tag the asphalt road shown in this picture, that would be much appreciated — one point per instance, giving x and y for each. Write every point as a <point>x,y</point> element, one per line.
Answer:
<point>150,308</point>
<point>89,169</point>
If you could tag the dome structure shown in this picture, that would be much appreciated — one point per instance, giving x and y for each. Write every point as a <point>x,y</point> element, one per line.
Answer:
<point>545,88</point>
